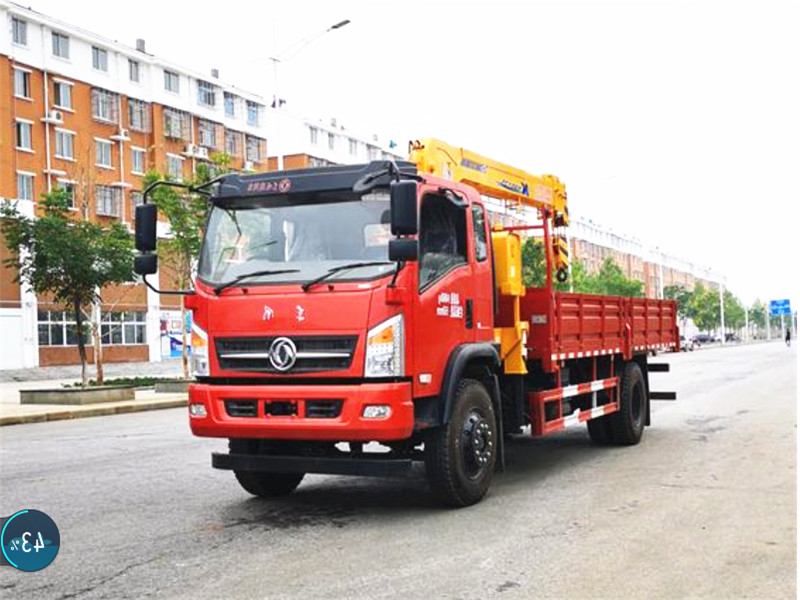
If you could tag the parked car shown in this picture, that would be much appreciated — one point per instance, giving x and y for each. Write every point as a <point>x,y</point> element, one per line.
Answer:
<point>732,337</point>
<point>688,345</point>
<point>704,338</point>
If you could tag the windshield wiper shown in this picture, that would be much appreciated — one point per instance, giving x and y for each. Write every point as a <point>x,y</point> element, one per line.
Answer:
<point>330,272</point>
<point>236,280</point>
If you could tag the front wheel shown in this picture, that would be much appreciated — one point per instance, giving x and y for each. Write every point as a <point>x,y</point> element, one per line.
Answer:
<point>263,485</point>
<point>460,456</point>
<point>268,485</point>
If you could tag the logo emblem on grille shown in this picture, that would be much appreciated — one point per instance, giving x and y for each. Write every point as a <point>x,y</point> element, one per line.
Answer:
<point>282,353</point>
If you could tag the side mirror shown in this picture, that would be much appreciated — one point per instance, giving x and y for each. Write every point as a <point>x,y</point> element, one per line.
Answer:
<point>145,264</point>
<point>403,250</point>
<point>146,220</point>
<point>403,203</point>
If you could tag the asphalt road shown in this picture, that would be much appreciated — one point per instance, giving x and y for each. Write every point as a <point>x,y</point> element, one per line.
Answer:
<point>704,507</point>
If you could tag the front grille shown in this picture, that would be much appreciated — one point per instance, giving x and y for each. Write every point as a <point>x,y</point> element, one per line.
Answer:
<point>241,408</point>
<point>323,409</point>
<point>252,353</point>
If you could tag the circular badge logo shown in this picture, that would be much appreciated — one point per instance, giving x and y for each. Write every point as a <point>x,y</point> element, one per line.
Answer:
<point>282,353</point>
<point>30,540</point>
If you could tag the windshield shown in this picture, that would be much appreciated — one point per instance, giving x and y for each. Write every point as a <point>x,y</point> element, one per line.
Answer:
<point>306,235</point>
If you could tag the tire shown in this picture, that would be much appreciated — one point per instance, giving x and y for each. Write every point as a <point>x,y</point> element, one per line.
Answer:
<point>263,485</point>
<point>460,456</point>
<point>627,424</point>
<point>268,485</point>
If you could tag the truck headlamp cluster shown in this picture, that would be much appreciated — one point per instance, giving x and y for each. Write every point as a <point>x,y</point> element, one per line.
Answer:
<point>200,364</point>
<point>386,349</point>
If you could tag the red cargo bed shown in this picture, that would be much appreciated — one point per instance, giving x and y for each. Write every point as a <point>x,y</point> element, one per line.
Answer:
<point>565,326</point>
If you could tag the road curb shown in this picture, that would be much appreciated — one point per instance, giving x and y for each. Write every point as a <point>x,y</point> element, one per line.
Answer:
<point>91,411</point>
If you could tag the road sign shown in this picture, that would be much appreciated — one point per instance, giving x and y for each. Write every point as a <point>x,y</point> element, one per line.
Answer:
<point>780,307</point>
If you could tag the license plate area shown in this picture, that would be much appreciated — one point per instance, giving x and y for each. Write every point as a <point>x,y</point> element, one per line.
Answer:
<point>280,408</point>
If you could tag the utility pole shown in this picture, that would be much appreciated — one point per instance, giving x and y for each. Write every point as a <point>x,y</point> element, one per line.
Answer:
<point>722,311</point>
<point>766,318</point>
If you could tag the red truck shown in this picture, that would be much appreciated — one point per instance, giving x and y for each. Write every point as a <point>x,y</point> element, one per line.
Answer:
<point>355,319</point>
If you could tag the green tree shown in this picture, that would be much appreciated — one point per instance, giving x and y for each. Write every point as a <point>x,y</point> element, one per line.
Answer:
<point>534,273</point>
<point>613,282</point>
<point>734,311</point>
<point>704,307</point>
<point>186,214</point>
<point>682,296</point>
<point>67,258</point>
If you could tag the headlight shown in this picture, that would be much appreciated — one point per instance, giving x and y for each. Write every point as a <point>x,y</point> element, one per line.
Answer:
<point>386,349</point>
<point>200,366</point>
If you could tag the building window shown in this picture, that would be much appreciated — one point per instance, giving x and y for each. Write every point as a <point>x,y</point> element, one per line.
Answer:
<point>133,70</point>
<point>176,124</point>
<point>331,141</point>
<point>137,198</point>
<point>24,186</point>
<point>233,143</point>
<point>62,94</point>
<point>253,149</point>
<point>104,105</point>
<point>70,189</point>
<point>137,161</point>
<point>102,153</point>
<point>24,133</point>
<point>107,200</point>
<point>100,59</point>
<point>128,327</point>
<point>22,84</point>
<point>175,167</point>
<point>353,147</point>
<point>60,45</point>
<point>205,93</point>
<point>252,113</point>
<point>65,144</point>
<point>314,135</point>
<point>171,82</point>
<point>57,328</point>
<point>138,115</point>
<point>19,31</point>
<point>230,105</point>
<point>373,153</point>
<point>207,131</point>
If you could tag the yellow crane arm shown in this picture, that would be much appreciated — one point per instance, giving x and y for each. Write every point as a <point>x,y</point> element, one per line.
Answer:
<point>492,178</point>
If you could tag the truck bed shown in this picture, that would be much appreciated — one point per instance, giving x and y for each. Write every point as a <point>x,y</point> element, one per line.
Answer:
<point>565,325</point>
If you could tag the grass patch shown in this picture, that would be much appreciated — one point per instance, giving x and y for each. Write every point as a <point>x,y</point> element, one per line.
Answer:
<point>128,382</point>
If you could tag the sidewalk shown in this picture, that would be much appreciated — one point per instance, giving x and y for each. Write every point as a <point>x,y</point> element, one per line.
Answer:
<point>12,412</point>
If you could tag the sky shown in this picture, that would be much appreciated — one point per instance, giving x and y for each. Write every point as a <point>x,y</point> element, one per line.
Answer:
<point>674,122</point>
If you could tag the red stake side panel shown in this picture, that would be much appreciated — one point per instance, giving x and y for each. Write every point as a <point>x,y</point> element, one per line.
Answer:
<point>565,326</point>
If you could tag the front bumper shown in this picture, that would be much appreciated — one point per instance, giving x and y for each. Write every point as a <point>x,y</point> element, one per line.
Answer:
<point>349,425</point>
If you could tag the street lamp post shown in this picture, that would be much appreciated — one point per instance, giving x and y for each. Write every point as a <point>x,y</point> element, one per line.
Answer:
<point>286,55</point>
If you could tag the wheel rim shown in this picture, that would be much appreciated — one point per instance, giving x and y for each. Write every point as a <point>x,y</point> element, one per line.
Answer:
<point>477,447</point>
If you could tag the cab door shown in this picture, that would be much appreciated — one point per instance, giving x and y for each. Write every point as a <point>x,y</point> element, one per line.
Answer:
<point>445,299</point>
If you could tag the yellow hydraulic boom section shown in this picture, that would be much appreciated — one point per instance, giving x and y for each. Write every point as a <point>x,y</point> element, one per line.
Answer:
<point>545,193</point>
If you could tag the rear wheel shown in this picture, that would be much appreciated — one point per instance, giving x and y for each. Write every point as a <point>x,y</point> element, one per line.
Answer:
<point>627,424</point>
<point>264,485</point>
<point>460,456</point>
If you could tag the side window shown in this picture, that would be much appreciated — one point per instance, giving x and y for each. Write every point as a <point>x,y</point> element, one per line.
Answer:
<point>479,227</point>
<point>442,238</point>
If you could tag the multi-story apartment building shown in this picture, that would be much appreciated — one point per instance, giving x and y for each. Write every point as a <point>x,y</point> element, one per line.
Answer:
<point>305,142</point>
<point>84,113</point>
<point>591,243</point>
<point>93,116</point>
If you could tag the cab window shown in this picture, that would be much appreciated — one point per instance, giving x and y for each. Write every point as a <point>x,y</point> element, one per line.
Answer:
<point>479,229</point>
<point>442,238</point>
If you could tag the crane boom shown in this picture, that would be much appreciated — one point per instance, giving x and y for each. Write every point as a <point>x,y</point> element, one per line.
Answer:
<point>546,193</point>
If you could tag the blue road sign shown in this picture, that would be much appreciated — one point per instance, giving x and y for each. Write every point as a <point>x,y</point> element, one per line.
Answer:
<point>780,307</point>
